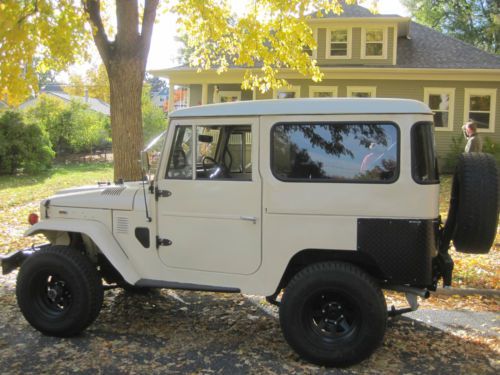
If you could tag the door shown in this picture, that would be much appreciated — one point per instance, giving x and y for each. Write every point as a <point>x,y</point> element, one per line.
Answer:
<point>213,216</point>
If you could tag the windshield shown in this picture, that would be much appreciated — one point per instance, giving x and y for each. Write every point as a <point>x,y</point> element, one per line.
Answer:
<point>153,154</point>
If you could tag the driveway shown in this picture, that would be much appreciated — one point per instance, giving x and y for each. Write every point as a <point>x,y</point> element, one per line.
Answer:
<point>167,332</point>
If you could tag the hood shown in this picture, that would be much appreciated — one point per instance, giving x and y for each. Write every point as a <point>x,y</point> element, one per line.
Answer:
<point>114,197</point>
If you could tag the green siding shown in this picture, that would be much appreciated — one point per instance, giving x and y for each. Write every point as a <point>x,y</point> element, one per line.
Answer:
<point>266,95</point>
<point>356,50</point>
<point>194,95</point>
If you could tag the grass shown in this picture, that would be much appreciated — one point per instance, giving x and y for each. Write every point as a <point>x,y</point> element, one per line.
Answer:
<point>19,190</point>
<point>21,195</point>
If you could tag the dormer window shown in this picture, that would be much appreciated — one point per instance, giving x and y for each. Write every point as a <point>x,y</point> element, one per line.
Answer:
<point>338,43</point>
<point>374,43</point>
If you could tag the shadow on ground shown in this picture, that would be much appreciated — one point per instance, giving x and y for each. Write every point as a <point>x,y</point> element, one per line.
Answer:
<point>167,332</point>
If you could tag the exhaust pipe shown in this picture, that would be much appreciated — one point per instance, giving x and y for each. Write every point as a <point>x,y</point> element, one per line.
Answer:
<point>424,293</point>
<point>411,294</point>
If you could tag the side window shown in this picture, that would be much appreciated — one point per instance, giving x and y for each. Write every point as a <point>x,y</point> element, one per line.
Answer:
<point>224,152</point>
<point>335,152</point>
<point>181,155</point>
<point>424,162</point>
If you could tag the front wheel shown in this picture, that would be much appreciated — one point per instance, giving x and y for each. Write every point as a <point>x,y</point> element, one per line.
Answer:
<point>333,314</point>
<point>59,291</point>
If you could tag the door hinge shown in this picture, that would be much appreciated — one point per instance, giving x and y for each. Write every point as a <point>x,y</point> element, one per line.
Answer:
<point>162,193</point>
<point>162,242</point>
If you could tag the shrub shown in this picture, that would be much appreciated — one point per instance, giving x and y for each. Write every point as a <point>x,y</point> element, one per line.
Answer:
<point>451,158</point>
<point>153,118</point>
<point>23,146</point>
<point>71,127</point>
<point>491,147</point>
<point>457,147</point>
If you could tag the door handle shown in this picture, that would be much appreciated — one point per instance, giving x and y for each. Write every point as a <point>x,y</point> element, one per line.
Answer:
<point>253,219</point>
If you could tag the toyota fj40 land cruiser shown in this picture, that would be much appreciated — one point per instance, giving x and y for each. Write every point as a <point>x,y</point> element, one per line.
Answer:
<point>327,201</point>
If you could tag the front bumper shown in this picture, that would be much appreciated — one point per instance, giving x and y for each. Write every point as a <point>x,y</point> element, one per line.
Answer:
<point>13,260</point>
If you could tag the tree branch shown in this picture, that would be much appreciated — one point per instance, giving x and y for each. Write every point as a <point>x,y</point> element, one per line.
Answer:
<point>29,13</point>
<point>93,9</point>
<point>148,21</point>
<point>127,21</point>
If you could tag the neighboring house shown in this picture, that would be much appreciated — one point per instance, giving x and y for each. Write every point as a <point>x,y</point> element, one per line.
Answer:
<point>367,55</point>
<point>160,99</point>
<point>93,104</point>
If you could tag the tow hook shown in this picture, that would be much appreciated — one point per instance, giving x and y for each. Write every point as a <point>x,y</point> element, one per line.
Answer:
<point>411,295</point>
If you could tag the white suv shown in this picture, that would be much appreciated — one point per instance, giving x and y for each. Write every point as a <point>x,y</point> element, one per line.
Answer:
<point>318,204</point>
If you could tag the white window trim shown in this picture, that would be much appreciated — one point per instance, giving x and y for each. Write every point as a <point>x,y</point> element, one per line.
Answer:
<point>315,50</point>
<point>371,89</point>
<point>329,39</point>
<point>293,88</point>
<point>332,89</point>
<point>384,41</point>
<point>228,93</point>
<point>451,106</point>
<point>493,104</point>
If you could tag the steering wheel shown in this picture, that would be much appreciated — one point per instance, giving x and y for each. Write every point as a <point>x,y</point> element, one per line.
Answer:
<point>215,171</point>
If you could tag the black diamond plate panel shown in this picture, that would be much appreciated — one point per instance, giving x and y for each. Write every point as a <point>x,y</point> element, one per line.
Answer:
<point>401,249</point>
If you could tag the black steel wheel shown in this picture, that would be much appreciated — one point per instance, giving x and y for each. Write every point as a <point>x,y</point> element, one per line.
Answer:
<point>333,314</point>
<point>59,291</point>
<point>330,315</point>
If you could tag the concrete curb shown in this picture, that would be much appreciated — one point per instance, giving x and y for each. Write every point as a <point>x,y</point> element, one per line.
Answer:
<point>466,292</point>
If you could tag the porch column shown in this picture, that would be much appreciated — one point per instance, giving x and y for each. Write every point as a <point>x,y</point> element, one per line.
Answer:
<point>171,96</point>
<point>204,93</point>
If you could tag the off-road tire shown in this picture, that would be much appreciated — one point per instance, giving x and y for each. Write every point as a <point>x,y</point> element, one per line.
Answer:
<point>308,314</point>
<point>59,291</point>
<point>474,203</point>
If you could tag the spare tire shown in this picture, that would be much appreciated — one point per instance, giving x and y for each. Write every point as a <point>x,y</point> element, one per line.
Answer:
<point>474,204</point>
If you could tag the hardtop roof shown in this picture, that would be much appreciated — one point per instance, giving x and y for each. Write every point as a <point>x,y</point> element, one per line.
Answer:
<point>312,106</point>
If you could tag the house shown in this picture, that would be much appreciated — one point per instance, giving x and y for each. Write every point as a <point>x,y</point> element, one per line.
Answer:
<point>373,55</point>
<point>93,104</point>
<point>160,98</point>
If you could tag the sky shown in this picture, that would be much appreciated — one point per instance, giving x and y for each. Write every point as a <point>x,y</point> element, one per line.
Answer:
<point>164,49</point>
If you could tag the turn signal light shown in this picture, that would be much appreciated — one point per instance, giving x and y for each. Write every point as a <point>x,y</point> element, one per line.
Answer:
<point>33,219</point>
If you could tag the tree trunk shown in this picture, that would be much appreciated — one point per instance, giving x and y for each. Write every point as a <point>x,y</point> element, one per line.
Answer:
<point>125,79</point>
<point>125,60</point>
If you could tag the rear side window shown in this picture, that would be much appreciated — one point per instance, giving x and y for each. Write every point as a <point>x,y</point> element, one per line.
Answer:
<point>335,152</point>
<point>424,161</point>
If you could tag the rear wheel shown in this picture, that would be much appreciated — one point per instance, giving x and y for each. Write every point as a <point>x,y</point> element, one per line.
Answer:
<point>333,314</point>
<point>59,291</point>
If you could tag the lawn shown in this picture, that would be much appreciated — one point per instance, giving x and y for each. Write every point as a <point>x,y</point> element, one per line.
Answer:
<point>21,195</point>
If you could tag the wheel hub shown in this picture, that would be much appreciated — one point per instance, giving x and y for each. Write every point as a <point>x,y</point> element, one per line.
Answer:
<point>57,293</point>
<point>332,312</point>
<point>330,316</point>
